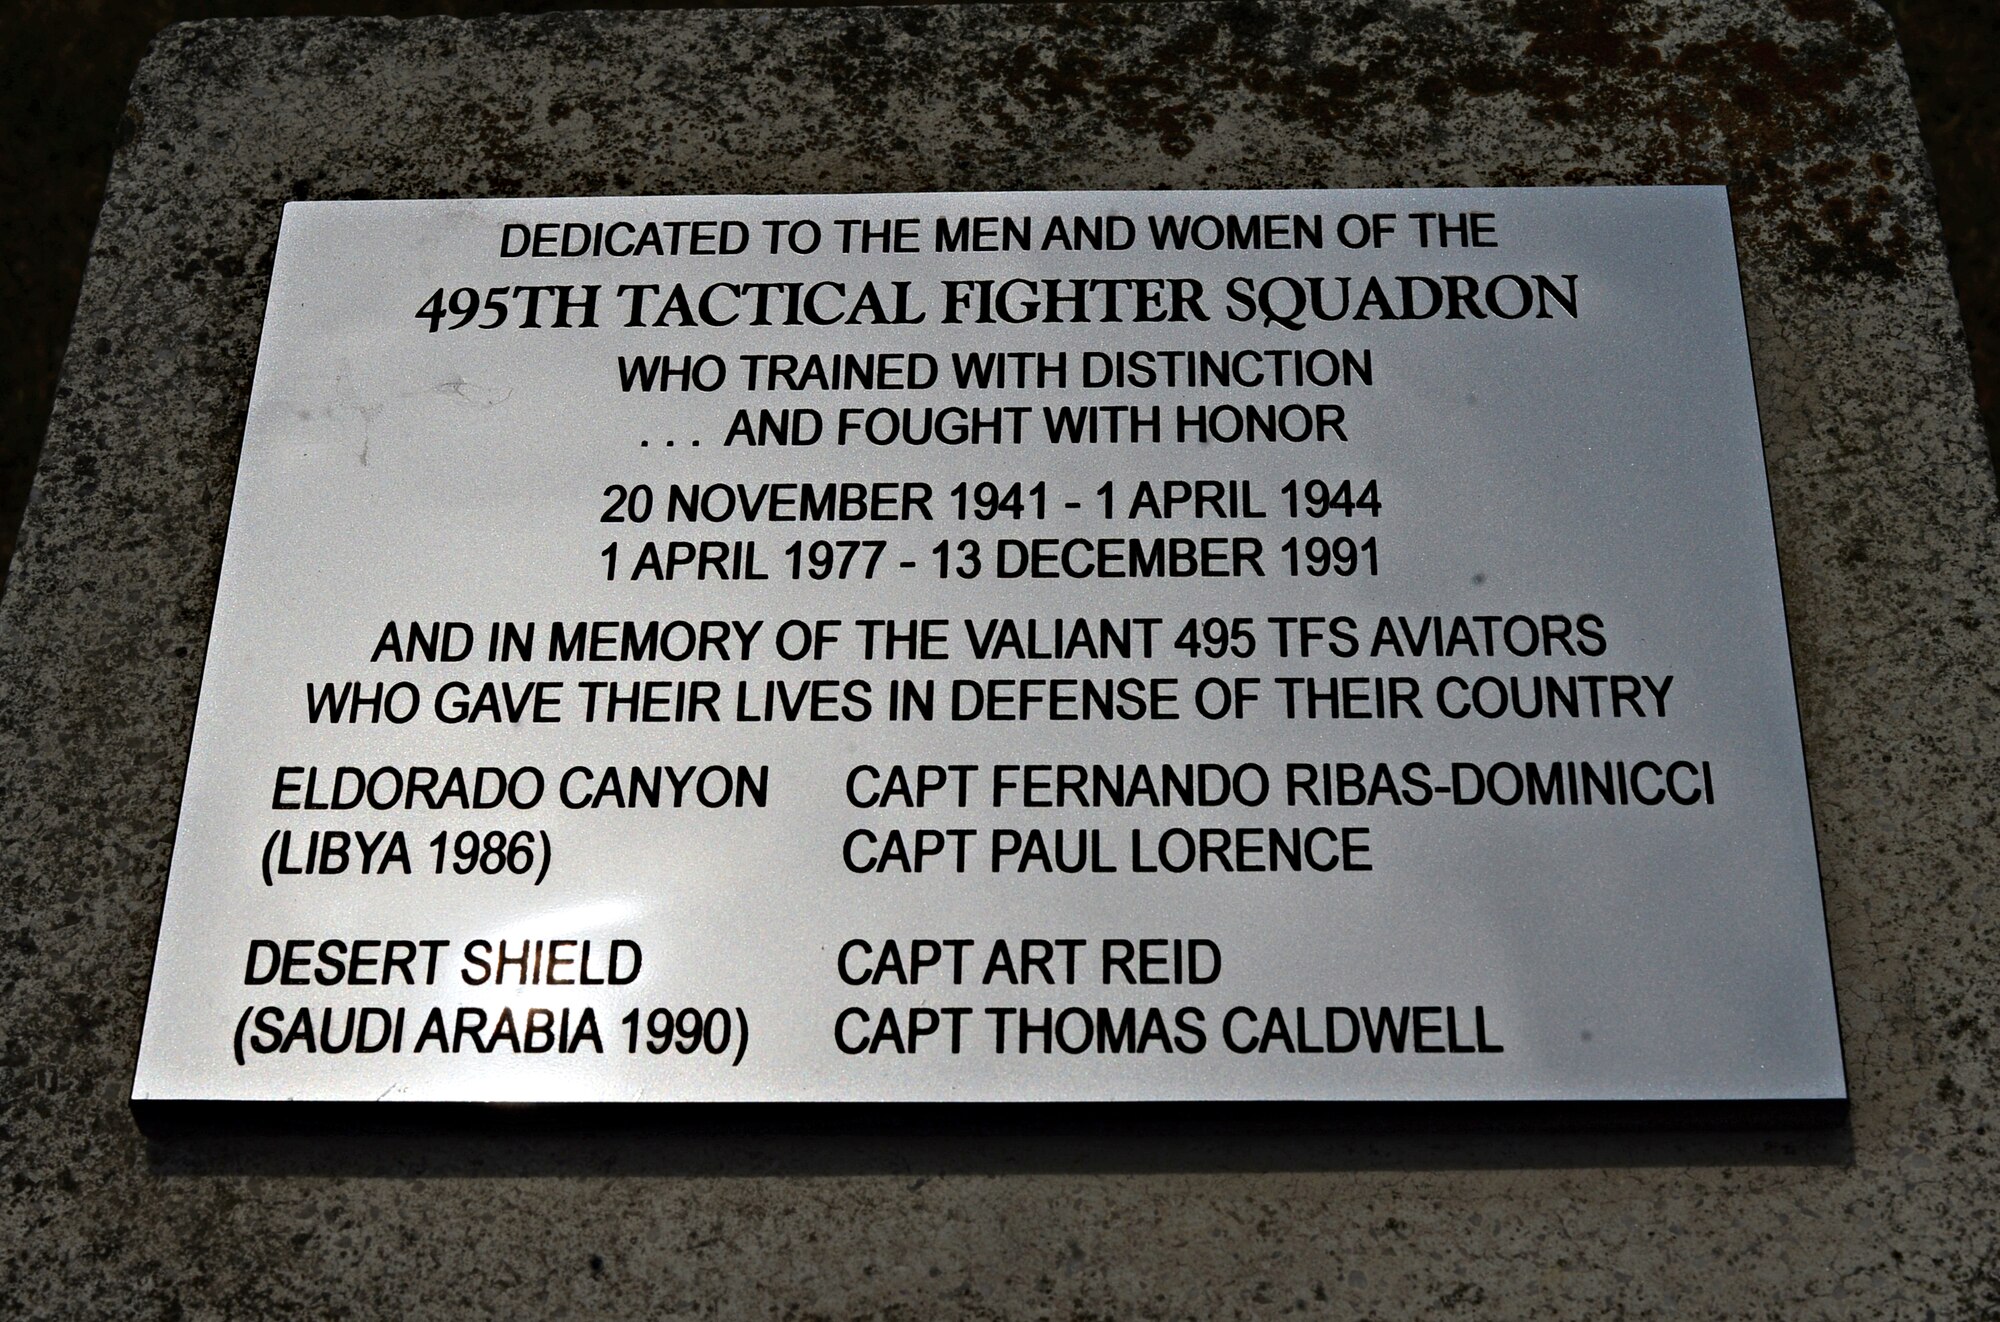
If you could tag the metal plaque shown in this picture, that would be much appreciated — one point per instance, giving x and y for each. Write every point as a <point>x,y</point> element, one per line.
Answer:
<point>1007,646</point>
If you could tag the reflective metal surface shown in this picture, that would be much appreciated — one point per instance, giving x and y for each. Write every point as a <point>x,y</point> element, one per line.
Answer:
<point>1427,724</point>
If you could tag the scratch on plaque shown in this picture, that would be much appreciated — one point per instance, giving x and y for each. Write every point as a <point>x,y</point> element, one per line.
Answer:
<point>368,414</point>
<point>343,383</point>
<point>467,392</point>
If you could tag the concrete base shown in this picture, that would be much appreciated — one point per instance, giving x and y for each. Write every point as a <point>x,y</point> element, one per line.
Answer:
<point>1886,524</point>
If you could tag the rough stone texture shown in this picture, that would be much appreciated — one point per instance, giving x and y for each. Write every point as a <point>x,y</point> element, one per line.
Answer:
<point>1886,527</point>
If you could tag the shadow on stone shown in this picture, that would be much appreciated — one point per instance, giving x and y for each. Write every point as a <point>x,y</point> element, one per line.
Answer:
<point>714,1141</point>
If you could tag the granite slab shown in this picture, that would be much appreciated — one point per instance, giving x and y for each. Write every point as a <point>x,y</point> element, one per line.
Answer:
<point>1886,521</point>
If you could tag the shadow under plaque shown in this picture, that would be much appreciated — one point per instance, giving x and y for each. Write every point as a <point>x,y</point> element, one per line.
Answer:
<point>698,1139</point>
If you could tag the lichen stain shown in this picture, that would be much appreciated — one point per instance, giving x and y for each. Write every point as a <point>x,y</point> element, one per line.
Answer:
<point>1744,109</point>
<point>1167,90</point>
<point>1764,110</point>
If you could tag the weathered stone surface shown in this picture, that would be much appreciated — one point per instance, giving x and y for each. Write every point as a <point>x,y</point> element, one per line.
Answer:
<point>1886,527</point>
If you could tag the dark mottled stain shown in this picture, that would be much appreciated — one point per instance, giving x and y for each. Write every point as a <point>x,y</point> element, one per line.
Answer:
<point>1966,1025</point>
<point>1462,1295</point>
<point>1747,109</point>
<point>1863,24</point>
<point>1758,110</point>
<point>1599,33</point>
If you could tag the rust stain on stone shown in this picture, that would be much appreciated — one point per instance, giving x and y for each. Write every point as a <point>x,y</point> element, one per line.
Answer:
<point>1763,111</point>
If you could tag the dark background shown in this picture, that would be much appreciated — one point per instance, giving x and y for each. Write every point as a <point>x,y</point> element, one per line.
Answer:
<point>64,68</point>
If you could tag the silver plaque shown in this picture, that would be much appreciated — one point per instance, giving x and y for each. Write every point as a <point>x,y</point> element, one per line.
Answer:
<point>1303,645</point>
